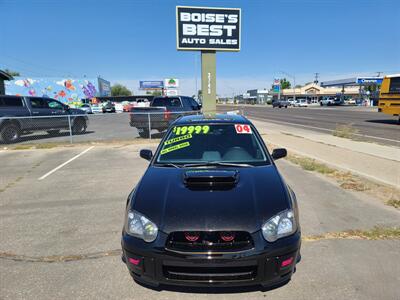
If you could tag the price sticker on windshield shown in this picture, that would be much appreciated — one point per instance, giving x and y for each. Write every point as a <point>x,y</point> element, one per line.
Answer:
<point>243,129</point>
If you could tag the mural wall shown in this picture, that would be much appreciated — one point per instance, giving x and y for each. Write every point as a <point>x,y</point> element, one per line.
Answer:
<point>66,90</point>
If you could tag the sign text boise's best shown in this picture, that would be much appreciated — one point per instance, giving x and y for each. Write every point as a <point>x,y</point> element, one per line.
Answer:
<point>206,28</point>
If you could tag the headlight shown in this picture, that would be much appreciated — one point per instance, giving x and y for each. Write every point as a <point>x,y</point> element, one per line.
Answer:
<point>139,226</point>
<point>279,226</point>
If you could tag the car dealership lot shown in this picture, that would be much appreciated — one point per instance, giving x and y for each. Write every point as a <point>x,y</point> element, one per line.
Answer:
<point>62,213</point>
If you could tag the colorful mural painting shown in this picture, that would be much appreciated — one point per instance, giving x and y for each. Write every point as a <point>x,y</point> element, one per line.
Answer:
<point>67,90</point>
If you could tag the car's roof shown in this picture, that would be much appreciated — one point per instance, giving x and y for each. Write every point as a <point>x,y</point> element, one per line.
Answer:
<point>212,118</point>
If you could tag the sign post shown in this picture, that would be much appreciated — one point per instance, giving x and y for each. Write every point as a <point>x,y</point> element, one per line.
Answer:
<point>208,29</point>
<point>208,80</point>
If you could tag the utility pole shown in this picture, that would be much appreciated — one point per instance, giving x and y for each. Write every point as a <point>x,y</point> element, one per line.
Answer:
<point>316,78</point>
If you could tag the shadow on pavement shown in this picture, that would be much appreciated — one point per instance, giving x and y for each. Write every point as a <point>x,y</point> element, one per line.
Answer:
<point>46,136</point>
<point>386,121</point>
<point>213,290</point>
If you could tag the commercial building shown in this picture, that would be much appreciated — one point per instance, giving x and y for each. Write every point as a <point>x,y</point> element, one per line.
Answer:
<point>314,92</point>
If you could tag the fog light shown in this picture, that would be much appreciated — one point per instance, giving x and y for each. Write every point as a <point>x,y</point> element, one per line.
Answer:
<point>287,262</point>
<point>133,261</point>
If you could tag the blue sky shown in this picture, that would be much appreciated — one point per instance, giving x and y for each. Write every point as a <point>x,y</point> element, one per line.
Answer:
<point>126,41</point>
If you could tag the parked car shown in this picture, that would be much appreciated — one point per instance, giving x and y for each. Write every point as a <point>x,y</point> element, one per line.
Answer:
<point>327,101</point>
<point>301,103</point>
<point>212,209</point>
<point>128,106</point>
<point>292,101</point>
<point>21,115</point>
<point>280,103</point>
<point>119,108</point>
<point>97,109</point>
<point>161,113</point>
<point>86,108</point>
<point>108,107</point>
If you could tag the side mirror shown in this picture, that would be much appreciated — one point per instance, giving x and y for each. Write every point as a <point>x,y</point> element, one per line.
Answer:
<point>146,154</point>
<point>279,153</point>
<point>66,107</point>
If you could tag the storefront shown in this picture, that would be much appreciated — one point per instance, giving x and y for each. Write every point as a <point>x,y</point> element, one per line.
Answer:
<point>314,92</point>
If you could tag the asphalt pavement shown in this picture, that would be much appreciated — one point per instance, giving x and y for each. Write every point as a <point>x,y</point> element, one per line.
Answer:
<point>371,125</point>
<point>61,226</point>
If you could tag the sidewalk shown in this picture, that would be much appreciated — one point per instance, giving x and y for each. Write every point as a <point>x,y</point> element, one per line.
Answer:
<point>377,162</point>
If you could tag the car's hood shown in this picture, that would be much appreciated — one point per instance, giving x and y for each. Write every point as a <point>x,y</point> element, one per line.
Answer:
<point>164,198</point>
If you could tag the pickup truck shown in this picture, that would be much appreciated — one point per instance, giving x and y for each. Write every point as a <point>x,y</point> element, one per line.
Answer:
<point>161,113</point>
<point>21,115</point>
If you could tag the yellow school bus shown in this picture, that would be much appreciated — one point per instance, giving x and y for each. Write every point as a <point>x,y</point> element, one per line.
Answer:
<point>389,97</point>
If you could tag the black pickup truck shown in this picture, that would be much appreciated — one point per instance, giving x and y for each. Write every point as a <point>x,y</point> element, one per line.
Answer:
<point>161,113</point>
<point>22,115</point>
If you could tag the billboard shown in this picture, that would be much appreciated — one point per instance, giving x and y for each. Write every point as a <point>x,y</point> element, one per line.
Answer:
<point>66,90</point>
<point>171,83</point>
<point>208,28</point>
<point>104,87</point>
<point>151,85</point>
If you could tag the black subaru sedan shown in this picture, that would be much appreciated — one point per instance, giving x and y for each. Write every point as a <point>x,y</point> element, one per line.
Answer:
<point>211,209</point>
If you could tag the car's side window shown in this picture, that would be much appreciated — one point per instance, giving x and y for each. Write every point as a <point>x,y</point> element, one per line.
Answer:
<point>194,103</point>
<point>53,104</point>
<point>38,103</point>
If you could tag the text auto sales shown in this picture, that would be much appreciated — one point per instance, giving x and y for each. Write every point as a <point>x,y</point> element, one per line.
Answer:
<point>213,31</point>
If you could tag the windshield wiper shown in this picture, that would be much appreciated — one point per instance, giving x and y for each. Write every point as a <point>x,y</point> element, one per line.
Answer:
<point>167,165</point>
<point>216,163</point>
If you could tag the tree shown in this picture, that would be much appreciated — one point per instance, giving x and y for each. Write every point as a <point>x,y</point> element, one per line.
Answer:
<point>12,73</point>
<point>285,84</point>
<point>154,93</point>
<point>120,90</point>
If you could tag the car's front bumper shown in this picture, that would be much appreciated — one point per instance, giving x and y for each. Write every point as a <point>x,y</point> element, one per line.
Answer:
<point>152,264</point>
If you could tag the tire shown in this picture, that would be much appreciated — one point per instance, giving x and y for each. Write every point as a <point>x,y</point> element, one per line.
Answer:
<point>79,126</point>
<point>10,133</point>
<point>53,131</point>
<point>144,133</point>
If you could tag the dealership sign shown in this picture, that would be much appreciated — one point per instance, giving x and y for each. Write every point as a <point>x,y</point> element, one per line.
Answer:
<point>208,28</point>
<point>151,85</point>
<point>171,83</point>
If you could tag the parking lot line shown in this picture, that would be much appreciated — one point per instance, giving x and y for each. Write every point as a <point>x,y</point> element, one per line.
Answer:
<point>65,163</point>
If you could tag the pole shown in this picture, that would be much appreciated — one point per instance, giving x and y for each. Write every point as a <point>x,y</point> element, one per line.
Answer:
<point>149,120</point>
<point>70,129</point>
<point>195,76</point>
<point>208,81</point>
<point>294,89</point>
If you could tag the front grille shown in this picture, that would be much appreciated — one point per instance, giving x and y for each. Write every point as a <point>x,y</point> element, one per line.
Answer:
<point>207,274</point>
<point>210,242</point>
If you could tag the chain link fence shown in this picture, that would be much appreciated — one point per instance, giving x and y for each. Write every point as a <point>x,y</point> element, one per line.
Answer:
<point>104,127</point>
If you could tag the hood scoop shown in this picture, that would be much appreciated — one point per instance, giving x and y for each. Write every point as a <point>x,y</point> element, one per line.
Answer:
<point>210,179</point>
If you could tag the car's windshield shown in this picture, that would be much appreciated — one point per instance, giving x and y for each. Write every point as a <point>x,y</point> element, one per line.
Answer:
<point>205,143</point>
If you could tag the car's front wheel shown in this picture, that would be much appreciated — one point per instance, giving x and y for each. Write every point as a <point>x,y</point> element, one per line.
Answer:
<point>79,126</point>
